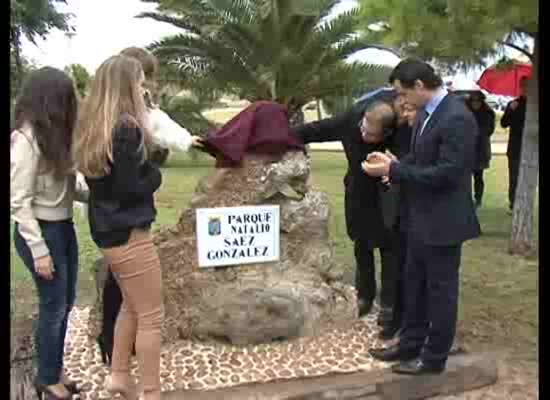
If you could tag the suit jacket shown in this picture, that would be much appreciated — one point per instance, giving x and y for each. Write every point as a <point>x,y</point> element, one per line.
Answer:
<point>515,120</point>
<point>437,172</point>
<point>485,119</point>
<point>402,146</point>
<point>364,215</point>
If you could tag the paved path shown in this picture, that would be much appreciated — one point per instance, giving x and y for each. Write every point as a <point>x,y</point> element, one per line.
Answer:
<point>498,148</point>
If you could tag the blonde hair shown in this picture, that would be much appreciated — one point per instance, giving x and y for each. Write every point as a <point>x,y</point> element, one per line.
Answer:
<point>115,93</point>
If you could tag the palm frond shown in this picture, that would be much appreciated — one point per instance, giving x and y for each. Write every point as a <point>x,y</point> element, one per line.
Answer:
<point>178,22</point>
<point>261,49</point>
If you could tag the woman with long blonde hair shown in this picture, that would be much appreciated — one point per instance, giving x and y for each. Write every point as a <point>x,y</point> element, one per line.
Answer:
<point>110,149</point>
<point>167,135</point>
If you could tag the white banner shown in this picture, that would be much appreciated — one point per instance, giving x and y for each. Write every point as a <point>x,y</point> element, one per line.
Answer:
<point>237,235</point>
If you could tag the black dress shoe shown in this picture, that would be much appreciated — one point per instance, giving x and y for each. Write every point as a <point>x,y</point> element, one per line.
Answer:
<point>417,367</point>
<point>385,316</point>
<point>389,332</point>
<point>364,307</point>
<point>393,353</point>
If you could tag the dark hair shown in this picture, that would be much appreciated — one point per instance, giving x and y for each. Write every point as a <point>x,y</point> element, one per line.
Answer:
<point>410,70</point>
<point>388,116</point>
<point>477,95</point>
<point>48,102</point>
<point>480,96</point>
<point>148,61</point>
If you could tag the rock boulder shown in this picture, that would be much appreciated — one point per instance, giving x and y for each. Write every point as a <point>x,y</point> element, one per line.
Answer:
<point>298,295</point>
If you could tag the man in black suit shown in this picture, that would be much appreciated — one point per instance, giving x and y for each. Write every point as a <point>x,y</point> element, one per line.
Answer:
<point>441,215</point>
<point>367,127</point>
<point>402,140</point>
<point>514,118</point>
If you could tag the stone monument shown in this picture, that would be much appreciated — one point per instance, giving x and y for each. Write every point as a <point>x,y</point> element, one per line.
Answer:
<point>300,294</point>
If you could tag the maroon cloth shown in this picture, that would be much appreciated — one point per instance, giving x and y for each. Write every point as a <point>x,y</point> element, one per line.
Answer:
<point>261,128</point>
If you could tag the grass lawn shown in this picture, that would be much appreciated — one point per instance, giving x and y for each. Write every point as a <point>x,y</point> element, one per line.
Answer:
<point>499,293</point>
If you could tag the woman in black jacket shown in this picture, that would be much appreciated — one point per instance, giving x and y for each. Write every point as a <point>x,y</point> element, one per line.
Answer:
<point>485,118</point>
<point>111,147</point>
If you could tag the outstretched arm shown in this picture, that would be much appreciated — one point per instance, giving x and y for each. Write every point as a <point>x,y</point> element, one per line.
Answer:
<point>167,133</point>
<point>326,130</point>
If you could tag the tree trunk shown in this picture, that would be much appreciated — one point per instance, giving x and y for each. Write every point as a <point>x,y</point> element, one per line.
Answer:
<point>522,240</point>
<point>319,114</point>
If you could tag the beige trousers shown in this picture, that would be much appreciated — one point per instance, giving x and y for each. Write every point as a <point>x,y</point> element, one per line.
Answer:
<point>136,267</point>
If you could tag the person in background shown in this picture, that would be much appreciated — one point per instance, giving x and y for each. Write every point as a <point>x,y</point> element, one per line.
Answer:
<point>166,133</point>
<point>514,118</point>
<point>112,142</point>
<point>43,188</point>
<point>367,127</point>
<point>485,118</point>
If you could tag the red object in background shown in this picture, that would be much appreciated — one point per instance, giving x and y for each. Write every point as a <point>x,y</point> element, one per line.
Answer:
<point>504,81</point>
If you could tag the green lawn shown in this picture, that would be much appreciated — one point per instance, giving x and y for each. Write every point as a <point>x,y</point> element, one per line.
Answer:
<point>499,293</point>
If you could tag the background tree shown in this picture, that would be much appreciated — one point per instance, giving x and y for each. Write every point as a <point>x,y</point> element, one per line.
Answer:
<point>81,78</point>
<point>339,103</point>
<point>33,19</point>
<point>17,74</point>
<point>460,34</point>
<point>280,50</point>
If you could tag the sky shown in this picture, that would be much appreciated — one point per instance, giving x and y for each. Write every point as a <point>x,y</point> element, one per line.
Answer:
<point>101,34</point>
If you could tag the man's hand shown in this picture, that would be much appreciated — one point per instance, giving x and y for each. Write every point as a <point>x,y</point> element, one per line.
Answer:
<point>377,164</point>
<point>391,155</point>
<point>44,267</point>
<point>197,141</point>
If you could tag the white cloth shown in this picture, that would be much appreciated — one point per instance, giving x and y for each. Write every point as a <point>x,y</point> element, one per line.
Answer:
<point>167,133</point>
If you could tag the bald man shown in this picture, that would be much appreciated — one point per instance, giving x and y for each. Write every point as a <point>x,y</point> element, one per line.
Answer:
<point>367,127</point>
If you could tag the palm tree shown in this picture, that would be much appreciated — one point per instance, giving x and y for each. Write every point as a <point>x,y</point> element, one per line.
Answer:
<point>339,103</point>
<point>279,50</point>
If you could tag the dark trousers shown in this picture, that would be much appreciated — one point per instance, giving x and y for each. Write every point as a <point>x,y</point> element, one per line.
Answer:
<point>513,173</point>
<point>479,186</point>
<point>399,304</point>
<point>112,300</point>
<point>365,277</point>
<point>431,302</point>
<point>56,297</point>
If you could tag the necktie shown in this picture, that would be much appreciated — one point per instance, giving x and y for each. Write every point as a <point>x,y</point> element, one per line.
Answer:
<point>422,115</point>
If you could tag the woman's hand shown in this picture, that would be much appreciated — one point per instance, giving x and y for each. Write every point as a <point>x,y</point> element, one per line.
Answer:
<point>197,141</point>
<point>44,267</point>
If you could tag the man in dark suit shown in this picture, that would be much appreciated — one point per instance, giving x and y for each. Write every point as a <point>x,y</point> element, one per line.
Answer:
<point>367,127</point>
<point>485,118</point>
<point>514,118</point>
<point>441,215</point>
<point>402,140</point>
